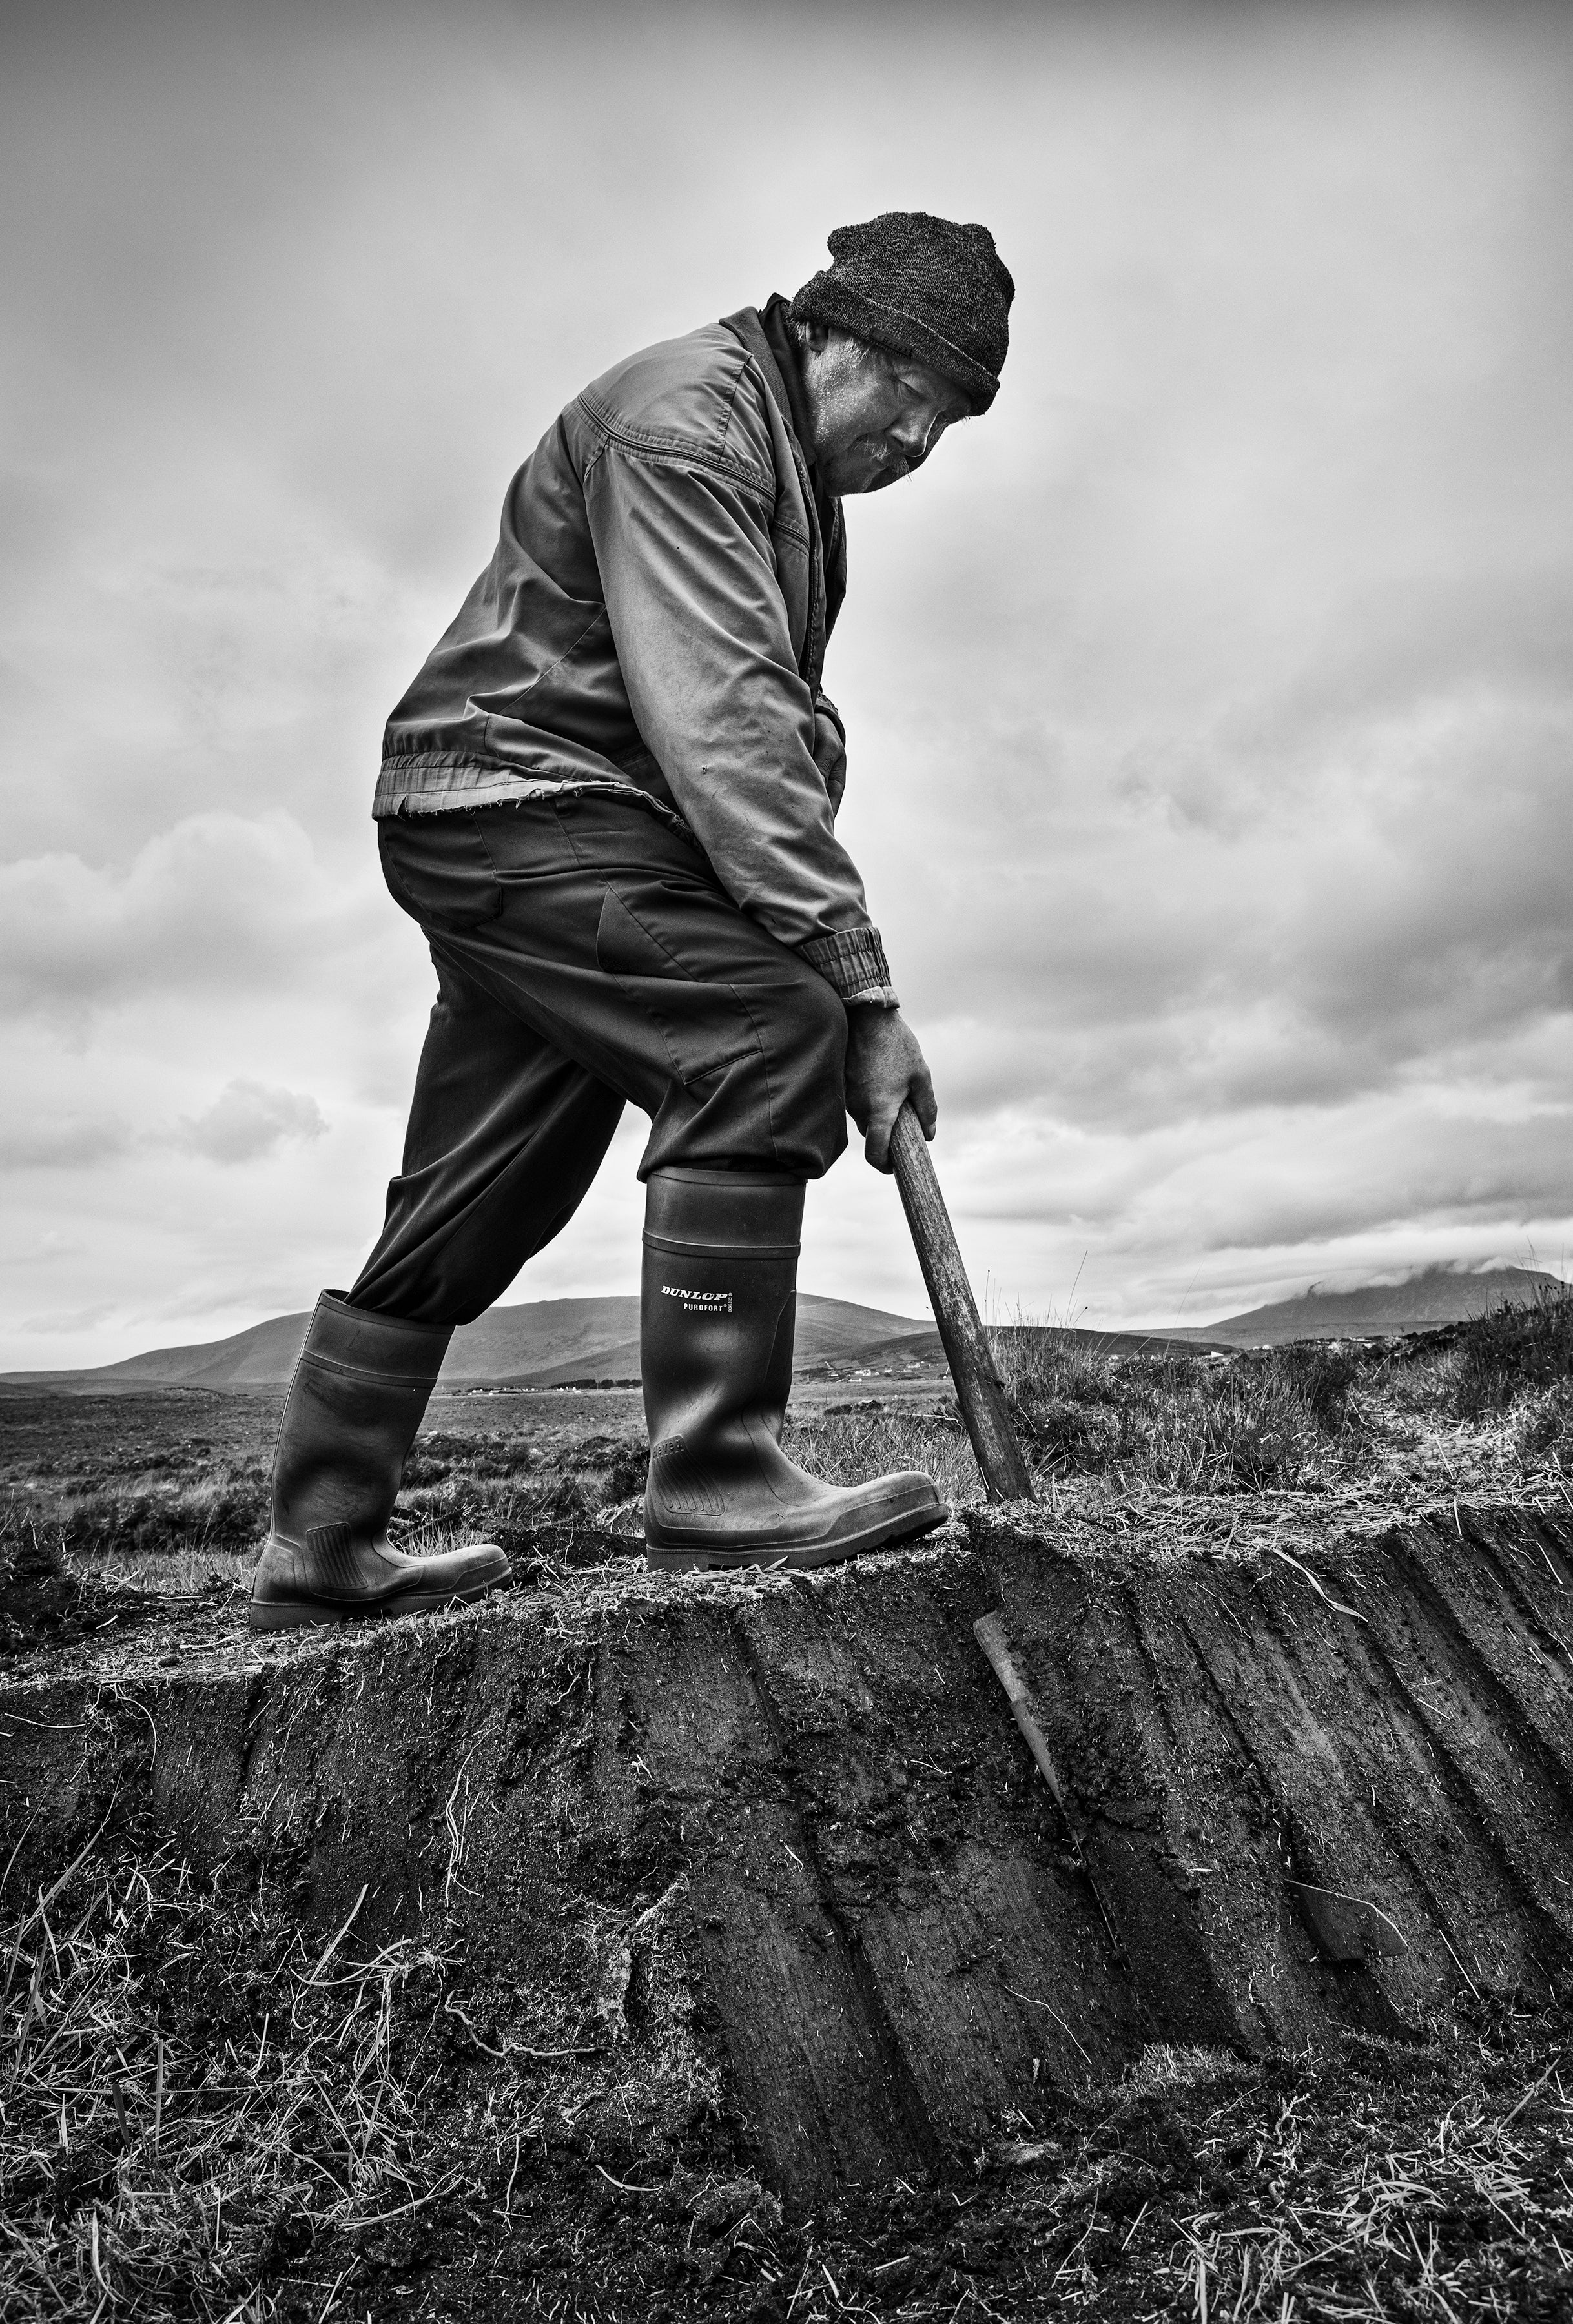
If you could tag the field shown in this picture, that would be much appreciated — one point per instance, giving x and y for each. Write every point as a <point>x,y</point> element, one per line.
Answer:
<point>211,2112</point>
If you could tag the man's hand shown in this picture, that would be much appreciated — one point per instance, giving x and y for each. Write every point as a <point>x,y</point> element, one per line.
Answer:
<point>884,1067</point>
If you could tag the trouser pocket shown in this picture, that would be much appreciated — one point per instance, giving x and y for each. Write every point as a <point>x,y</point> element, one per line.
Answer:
<point>703,1024</point>
<point>438,870</point>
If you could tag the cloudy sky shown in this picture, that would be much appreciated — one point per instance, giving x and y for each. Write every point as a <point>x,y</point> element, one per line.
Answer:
<point>1211,702</point>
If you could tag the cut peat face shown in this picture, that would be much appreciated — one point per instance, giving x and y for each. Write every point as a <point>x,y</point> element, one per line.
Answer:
<point>793,1827</point>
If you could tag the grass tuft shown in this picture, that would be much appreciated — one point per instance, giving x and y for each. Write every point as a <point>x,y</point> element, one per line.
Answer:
<point>186,2109</point>
<point>847,1443</point>
<point>207,2114</point>
<point>1514,1350</point>
<point>1184,1423</point>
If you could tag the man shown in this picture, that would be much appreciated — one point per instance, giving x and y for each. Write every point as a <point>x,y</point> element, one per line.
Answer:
<point>609,800</point>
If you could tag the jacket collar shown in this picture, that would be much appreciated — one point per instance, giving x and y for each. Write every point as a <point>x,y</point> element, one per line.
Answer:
<point>765,335</point>
<point>771,350</point>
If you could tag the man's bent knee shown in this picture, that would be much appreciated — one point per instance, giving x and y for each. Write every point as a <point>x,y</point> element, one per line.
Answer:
<point>777,1102</point>
<point>809,1073</point>
<point>824,1016</point>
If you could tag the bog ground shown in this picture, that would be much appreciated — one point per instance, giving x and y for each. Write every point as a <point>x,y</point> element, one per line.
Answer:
<point>625,1948</point>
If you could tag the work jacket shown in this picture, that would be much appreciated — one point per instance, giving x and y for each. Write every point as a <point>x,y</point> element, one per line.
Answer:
<point>653,621</point>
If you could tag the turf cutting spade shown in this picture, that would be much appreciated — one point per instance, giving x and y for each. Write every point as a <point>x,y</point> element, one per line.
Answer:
<point>978,1391</point>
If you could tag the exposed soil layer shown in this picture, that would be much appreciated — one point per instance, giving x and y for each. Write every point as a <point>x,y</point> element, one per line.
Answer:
<point>206,2119</point>
<point>774,1855</point>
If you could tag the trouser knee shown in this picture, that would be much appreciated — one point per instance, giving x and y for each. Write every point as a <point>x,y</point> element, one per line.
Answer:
<point>811,1074</point>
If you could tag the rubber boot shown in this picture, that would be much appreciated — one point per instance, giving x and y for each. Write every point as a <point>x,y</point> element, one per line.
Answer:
<point>360,1388</point>
<point>716,1322</point>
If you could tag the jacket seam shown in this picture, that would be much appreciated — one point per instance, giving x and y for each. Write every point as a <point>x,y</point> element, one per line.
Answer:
<point>675,451</point>
<point>738,379</point>
<point>566,655</point>
<point>678,457</point>
<point>802,534</point>
<point>806,539</point>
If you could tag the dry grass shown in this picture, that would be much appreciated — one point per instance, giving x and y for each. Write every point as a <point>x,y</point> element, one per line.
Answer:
<point>551,1517</point>
<point>1395,2182</point>
<point>190,2097</point>
<point>1427,2182</point>
<point>205,2115</point>
<point>1515,1349</point>
<point>1276,1447</point>
<point>846,1443</point>
<point>1272,1448</point>
<point>1194,1424</point>
<point>115,1517</point>
<point>1202,1448</point>
<point>382,2137</point>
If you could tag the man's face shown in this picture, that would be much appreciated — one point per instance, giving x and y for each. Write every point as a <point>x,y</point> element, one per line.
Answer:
<point>876,417</point>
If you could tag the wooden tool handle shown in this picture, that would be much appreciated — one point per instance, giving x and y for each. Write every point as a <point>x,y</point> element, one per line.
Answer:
<point>978,1387</point>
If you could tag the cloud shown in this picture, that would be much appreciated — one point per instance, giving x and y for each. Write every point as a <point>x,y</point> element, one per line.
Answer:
<point>247,1122</point>
<point>1394,905</point>
<point>69,1142</point>
<point>76,1319</point>
<point>1211,716</point>
<point>219,902</point>
<point>48,1246</point>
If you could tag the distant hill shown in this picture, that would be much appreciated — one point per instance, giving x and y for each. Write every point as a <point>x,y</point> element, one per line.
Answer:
<point>541,1343</point>
<point>831,1333</point>
<point>1434,1296</point>
<point>552,1342</point>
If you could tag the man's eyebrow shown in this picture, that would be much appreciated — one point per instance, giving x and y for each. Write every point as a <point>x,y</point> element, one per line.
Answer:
<point>904,368</point>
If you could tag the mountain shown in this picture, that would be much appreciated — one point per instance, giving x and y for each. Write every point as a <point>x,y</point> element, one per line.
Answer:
<point>1433,1296</point>
<point>551,1343</point>
<point>541,1343</point>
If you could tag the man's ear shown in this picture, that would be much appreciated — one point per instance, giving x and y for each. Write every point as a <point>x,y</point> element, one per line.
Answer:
<point>818,335</point>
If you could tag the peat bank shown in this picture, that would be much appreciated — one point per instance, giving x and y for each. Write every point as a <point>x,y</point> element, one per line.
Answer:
<point>632,1948</point>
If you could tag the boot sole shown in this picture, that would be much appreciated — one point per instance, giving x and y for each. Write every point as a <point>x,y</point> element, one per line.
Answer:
<point>702,1557</point>
<point>308,1613</point>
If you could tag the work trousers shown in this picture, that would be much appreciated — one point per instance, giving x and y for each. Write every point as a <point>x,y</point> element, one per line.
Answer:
<point>586,958</point>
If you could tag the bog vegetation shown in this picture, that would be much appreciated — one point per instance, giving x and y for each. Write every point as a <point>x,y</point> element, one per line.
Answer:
<point>171,1492</point>
<point>206,2119</point>
<point>203,2117</point>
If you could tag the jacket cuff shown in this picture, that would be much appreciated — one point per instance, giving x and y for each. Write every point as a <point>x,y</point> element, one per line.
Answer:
<point>853,960</point>
<point>822,702</point>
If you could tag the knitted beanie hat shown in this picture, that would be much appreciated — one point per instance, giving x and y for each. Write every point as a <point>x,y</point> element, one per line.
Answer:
<point>922,286</point>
